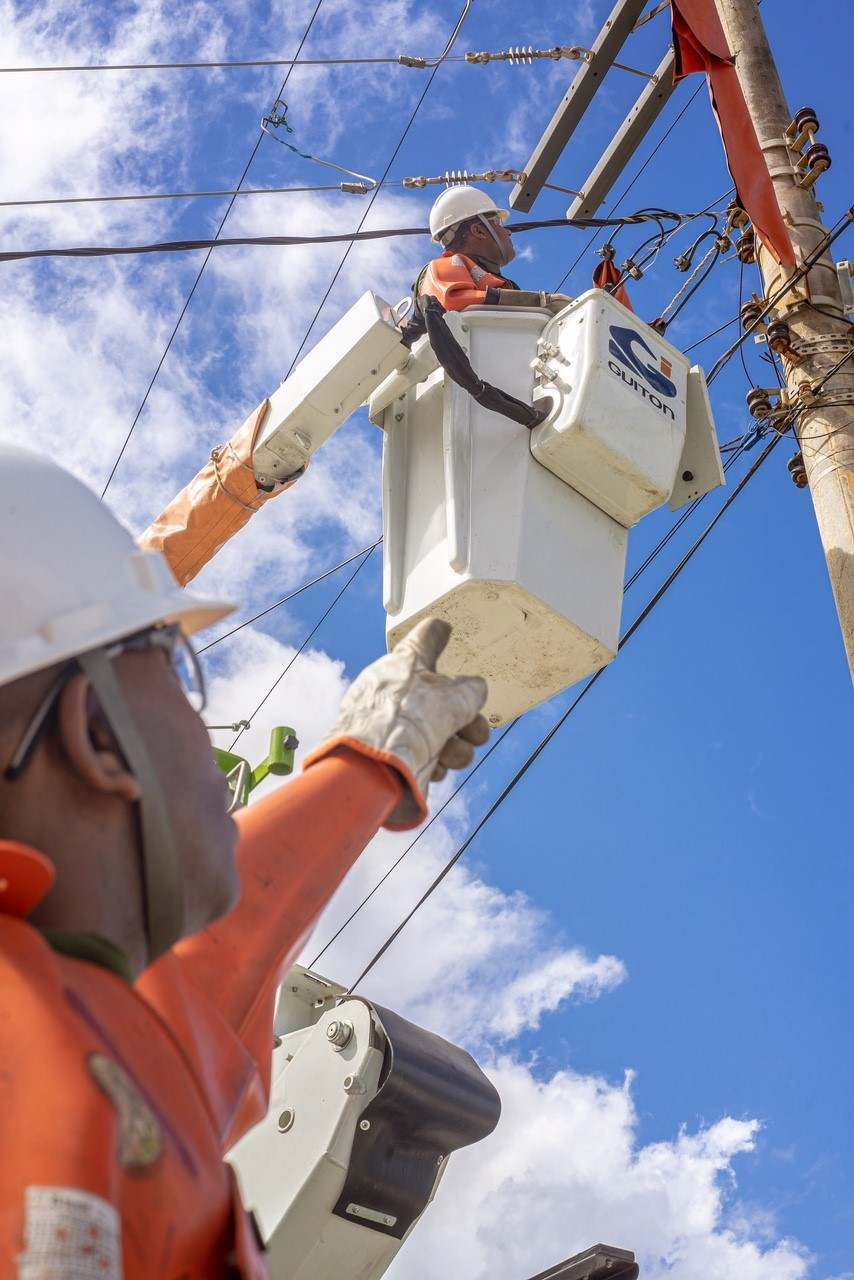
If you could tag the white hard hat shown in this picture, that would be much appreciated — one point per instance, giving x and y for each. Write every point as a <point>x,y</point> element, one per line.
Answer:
<point>455,205</point>
<point>72,578</point>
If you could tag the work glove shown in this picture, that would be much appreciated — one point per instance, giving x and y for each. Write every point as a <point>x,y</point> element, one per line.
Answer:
<point>553,302</point>
<point>556,302</point>
<point>401,712</point>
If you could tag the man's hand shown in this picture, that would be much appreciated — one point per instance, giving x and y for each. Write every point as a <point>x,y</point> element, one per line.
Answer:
<point>553,302</point>
<point>556,302</point>
<point>402,712</point>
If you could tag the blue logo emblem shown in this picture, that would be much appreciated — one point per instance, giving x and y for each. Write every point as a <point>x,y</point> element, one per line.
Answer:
<point>629,348</point>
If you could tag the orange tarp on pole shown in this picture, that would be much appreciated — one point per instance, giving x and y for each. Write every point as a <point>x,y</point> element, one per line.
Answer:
<point>699,44</point>
<point>214,506</point>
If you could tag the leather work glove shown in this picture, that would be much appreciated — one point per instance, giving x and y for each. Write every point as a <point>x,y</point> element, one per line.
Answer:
<point>556,302</point>
<point>553,302</point>
<point>401,712</point>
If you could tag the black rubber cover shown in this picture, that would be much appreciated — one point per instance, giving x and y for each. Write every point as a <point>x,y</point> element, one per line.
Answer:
<point>433,1098</point>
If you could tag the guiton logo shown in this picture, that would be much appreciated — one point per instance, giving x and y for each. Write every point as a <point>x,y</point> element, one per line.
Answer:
<point>634,359</point>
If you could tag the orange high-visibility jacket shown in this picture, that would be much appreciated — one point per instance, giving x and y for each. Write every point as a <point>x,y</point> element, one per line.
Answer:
<point>117,1102</point>
<point>459,282</point>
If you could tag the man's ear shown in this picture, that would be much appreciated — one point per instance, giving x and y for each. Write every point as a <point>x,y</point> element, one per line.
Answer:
<point>88,742</point>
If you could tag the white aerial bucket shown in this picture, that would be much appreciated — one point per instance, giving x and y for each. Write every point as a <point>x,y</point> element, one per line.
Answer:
<point>528,571</point>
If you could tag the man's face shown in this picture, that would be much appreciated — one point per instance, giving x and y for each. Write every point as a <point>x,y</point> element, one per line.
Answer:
<point>501,238</point>
<point>195,791</point>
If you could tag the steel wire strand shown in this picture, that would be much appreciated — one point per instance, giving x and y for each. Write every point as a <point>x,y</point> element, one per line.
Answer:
<point>544,742</point>
<point>689,510</point>
<point>626,191</point>
<point>200,273</point>
<point>359,567</point>
<point>248,622</point>
<point>378,188</point>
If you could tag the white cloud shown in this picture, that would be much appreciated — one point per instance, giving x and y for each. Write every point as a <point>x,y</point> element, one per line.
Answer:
<point>564,1170</point>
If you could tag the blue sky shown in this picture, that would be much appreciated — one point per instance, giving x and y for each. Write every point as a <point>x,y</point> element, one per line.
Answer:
<point>649,944</point>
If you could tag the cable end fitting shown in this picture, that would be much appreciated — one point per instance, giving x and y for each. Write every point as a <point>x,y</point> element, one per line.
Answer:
<point>406,61</point>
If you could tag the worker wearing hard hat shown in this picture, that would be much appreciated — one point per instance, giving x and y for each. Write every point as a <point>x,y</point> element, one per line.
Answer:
<point>478,246</point>
<point>135,1049</point>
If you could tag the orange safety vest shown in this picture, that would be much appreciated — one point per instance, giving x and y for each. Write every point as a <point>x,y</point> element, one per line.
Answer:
<point>123,1099</point>
<point>459,282</point>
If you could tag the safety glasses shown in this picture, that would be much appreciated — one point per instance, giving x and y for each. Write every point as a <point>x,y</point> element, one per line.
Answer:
<point>182,658</point>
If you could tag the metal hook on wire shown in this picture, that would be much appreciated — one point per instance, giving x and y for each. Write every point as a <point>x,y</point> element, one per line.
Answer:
<point>278,119</point>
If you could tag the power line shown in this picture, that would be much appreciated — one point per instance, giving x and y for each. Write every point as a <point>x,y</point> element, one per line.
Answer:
<point>689,510</point>
<point>292,596</point>
<point>770,303</point>
<point>625,192</point>
<point>163,195</point>
<point>359,567</point>
<point>200,273</point>
<point>481,760</point>
<point>379,185</point>
<point>203,66</point>
<point>342,237</point>
<point>544,742</point>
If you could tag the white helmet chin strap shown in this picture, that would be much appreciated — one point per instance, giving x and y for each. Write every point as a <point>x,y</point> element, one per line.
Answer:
<point>506,253</point>
<point>161,878</point>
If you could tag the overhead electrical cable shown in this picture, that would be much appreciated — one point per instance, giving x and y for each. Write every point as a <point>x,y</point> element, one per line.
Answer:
<point>339,237</point>
<point>544,742</point>
<point>434,817</point>
<point>164,195</point>
<point>201,272</point>
<point>359,567</point>
<point>291,596</point>
<point>627,189</point>
<point>481,759</point>
<point>378,188</point>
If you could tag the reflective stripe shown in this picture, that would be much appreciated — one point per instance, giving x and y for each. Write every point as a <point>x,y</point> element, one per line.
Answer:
<point>477,273</point>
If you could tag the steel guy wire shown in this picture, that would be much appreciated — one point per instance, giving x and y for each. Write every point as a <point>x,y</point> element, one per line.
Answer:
<point>544,742</point>
<point>378,187</point>
<point>292,596</point>
<point>201,271</point>
<point>481,760</point>
<point>689,510</point>
<point>626,191</point>
<point>359,567</point>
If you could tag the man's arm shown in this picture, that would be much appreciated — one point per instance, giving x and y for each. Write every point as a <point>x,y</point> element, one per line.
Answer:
<point>400,725</point>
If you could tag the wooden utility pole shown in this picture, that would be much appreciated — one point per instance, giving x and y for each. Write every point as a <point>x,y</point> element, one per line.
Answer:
<point>819,338</point>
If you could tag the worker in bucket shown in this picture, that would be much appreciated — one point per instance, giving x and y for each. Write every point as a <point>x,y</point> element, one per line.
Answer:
<point>477,247</point>
<point>136,998</point>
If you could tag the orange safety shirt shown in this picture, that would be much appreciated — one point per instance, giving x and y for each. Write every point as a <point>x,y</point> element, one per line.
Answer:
<point>118,1101</point>
<point>459,282</point>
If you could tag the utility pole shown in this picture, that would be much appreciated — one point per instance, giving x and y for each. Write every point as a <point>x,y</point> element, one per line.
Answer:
<point>819,339</point>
